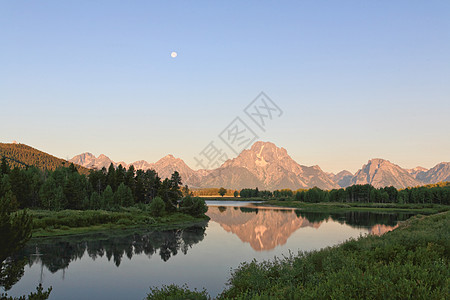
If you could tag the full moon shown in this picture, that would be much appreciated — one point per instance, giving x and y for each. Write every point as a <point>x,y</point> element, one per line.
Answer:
<point>173,54</point>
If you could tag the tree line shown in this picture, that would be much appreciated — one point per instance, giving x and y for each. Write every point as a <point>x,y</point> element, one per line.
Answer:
<point>438,193</point>
<point>108,189</point>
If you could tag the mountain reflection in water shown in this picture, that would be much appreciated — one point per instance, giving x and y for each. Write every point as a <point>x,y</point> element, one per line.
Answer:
<point>265,228</point>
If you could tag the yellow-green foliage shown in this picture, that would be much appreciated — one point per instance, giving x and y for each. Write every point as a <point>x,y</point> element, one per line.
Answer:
<point>211,192</point>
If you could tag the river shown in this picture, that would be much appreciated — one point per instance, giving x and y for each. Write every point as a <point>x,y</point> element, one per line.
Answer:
<point>123,265</point>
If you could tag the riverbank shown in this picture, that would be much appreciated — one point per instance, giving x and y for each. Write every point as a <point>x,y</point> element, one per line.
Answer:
<point>410,262</point>
<point>70,222</point>
<point>374,207</point>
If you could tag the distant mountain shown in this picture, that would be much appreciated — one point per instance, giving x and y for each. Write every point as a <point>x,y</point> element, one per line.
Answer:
<point>439,173</point>
<point>380,173</point>
<point>140,165</point>
<point>164,167</point>
<point>88,160</point>
<point>266,166</point>
<point>169,164</point>
<point>343,178</point>
<point>416,171</point>
<point>20,155</point>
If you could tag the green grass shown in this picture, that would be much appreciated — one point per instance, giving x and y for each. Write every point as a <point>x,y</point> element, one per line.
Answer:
<point>375,207</point>
<point>67,222</point>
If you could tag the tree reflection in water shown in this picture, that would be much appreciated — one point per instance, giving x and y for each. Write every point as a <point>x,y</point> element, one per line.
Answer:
<point>356,219</point>
<point>57,253</point>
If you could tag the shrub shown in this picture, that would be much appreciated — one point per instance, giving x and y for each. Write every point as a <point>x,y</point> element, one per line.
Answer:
<point>125,222</point>
<point>174,292</point>
<point>194,206</point>
<point>157,207</point>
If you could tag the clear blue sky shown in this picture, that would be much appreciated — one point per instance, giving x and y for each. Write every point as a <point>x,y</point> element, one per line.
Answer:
<point>355,79</point>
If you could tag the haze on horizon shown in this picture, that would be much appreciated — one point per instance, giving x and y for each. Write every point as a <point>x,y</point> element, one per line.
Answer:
<point>355,80</point>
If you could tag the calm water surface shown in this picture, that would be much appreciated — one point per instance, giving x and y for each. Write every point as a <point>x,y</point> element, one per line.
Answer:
<point>123,265</point>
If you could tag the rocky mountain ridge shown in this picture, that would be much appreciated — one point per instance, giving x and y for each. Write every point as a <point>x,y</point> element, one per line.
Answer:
<point>267,166</point>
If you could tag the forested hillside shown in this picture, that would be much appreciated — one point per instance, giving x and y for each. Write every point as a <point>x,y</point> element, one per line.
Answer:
<point>20,155</point>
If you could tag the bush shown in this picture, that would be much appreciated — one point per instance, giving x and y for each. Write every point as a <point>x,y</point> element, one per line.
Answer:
<point>194,206</point>
<point>157,207</point>
<point>147,220</point>
<point>125,222</point>
<point>174,292</point>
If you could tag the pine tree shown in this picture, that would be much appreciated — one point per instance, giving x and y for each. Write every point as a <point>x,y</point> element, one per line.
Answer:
<point>165,192</point>
<point>5,185</point>
<point>95,201</point>
<point>123,196</point>
<point>4,168</point>
<point>108,198</point>
<point>111,177</point>
<point>175,187</point>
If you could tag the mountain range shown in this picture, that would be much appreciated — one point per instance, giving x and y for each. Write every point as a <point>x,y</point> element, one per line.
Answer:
<point>267,166</point>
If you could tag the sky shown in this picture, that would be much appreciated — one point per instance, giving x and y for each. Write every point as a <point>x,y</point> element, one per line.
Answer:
<point>353,80</point>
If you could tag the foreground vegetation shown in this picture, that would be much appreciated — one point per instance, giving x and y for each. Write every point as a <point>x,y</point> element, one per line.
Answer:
<point>409,262</point>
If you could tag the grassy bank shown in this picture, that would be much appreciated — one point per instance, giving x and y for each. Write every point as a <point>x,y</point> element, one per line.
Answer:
<point>411,262</point>
<point>50,223</point>
<point>378,207</point>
